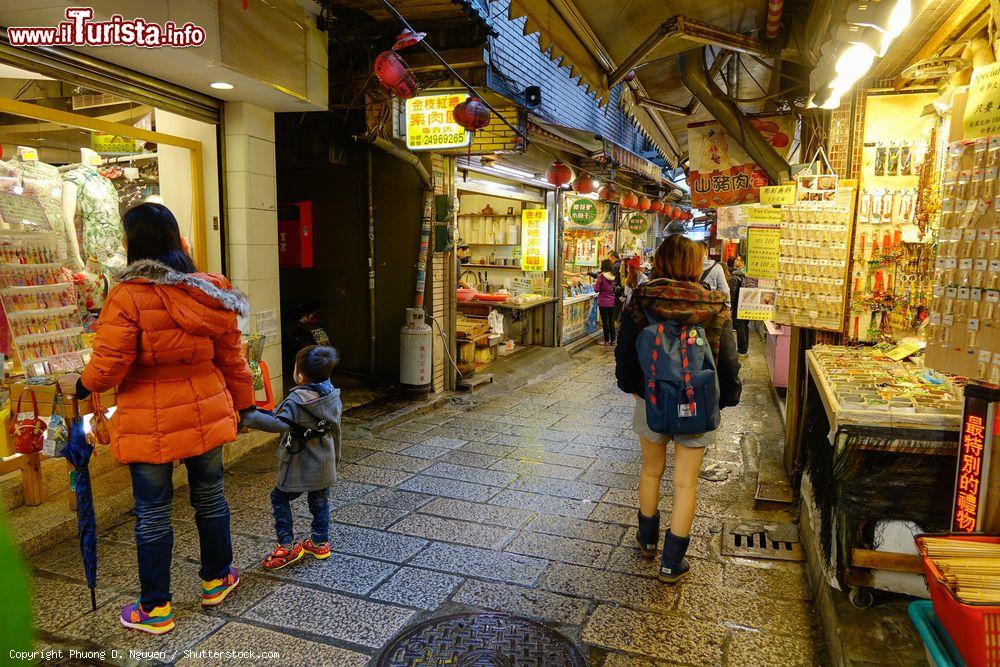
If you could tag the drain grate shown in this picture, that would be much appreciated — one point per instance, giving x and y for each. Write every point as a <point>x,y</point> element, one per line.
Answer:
<point>776,541</point>
<point>481,640</point>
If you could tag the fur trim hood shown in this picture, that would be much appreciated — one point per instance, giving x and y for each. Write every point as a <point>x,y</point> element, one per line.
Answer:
<point>199,285</point>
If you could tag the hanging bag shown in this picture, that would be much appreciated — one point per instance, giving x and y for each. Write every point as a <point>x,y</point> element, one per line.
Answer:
<point>100,430</point>
<point>27,428</point>
<point>57,433</point>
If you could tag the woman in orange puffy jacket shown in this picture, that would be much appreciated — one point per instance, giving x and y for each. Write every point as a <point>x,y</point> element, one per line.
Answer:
<point>167,338</point>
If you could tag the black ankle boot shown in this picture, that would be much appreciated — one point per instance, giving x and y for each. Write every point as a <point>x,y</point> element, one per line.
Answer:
<point>648,535</point>
<point>673,566</point>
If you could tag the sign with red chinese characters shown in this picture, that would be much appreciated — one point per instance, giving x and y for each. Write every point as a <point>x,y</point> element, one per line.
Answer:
<point>971,470</point>
<point>430,122</point>
<point>721,172</point>
<point>534,239</point>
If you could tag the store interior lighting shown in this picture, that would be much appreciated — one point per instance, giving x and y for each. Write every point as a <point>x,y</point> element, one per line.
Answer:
<point>870,28</point>
<point>221,85</point>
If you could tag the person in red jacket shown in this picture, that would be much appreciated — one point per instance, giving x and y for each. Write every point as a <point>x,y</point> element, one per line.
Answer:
<point>167,338</point>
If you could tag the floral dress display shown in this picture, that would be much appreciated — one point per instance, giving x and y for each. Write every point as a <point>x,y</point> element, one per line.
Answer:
<point>43,183</point>
<point>99,227</point>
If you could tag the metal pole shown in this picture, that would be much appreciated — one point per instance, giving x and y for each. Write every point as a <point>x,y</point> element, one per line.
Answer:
<point>371,263</point>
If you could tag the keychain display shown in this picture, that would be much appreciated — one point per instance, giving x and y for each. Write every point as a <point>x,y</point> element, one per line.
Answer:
<point>892,158</point>
<point>965,311</point>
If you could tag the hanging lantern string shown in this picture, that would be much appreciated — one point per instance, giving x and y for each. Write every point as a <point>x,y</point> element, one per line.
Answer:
<point>472,91</point>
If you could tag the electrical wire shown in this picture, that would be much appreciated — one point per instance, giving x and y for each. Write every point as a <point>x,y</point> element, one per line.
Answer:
<point>473,92</point>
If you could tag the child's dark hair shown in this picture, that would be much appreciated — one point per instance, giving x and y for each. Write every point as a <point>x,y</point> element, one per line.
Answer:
<point>316,362</point>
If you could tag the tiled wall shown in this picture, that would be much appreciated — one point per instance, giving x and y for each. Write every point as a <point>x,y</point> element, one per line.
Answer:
<point>252,217</point>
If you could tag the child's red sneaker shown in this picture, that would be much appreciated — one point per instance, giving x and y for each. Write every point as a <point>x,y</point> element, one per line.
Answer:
<point>282,557</point>
<point>320,551</point>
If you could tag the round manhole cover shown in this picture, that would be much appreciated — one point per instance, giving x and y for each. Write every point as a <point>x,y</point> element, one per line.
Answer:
<point>481,640</point>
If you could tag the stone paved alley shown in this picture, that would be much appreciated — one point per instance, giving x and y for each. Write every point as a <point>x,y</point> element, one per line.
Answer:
<point>521,502</point>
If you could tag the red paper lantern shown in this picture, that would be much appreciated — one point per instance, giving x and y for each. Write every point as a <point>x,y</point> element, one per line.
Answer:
<point>644,203</point>
<point>656,205</point>
<point>677,214</point>
<point>392,73</point>
<point>584,184</point>
<point>472,114</point>
<point>558,174</point>
<point>607,191</point>
<point>628,200</point>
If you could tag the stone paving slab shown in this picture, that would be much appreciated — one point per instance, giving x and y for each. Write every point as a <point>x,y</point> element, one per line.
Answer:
<point>532,602</point>
<point>57,602</point>
<point>331,615</point>
<point>450,508</point>
<point>604,586</point>
<point>746,647</point>
<point>467,474</point>
<point>559,487</point>
<point>565,549</point>
<point>449,488</point>
<point>404,500</point>
<point>349,574</point>
<point>395,462</point>
<point>238,638</point>
<point>371,475</point>
<point>104,629</point>
<point>373,543</point>
<point>482,563</point>
<point>537,469</point>
<point>369,516</point>
<point>678,639</point>
<point>582,529</point>
<point>413,587</point>
<point>451,530</point>
<point>748,611</point>
<point>544,504</point>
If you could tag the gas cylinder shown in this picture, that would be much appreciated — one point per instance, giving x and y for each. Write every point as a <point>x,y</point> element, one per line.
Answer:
<point>415,358</point>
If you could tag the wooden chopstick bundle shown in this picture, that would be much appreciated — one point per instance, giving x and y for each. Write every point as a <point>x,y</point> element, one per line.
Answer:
<point>970,569</point>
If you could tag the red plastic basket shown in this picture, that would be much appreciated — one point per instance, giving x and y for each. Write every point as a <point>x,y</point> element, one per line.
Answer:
<point>974,628</point>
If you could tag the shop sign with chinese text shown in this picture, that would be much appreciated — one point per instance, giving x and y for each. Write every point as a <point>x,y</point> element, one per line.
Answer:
<point>534,239</point>
<point>111,143</point>
<point>638,224</point>
<point>783,195</point>
<point>430,123</point>
<point>982,110</point>
<point>582,211</point>
<point>721,172</point>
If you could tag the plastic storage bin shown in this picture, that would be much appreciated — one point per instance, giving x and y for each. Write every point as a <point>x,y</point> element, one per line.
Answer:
<point>941,651</point>
<point>974,628</point>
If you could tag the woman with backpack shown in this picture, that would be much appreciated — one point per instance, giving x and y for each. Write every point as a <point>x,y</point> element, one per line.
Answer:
<point>677,354</point>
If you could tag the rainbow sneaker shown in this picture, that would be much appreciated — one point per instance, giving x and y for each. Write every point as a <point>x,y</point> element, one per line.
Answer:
<point>320,551</point>
<point>214,592</point>
<point>159,621</point>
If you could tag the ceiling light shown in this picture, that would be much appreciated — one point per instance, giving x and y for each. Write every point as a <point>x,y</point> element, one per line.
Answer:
<point>221,85</point>
<point>852,64</point>
<point>889,16</point>
<point>824,98</point>
<point>865,36</point>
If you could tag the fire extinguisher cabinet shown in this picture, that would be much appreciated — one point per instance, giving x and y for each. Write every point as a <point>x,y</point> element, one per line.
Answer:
<point>295,235</point>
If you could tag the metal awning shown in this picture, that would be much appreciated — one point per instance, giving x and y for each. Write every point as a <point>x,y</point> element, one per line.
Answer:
<point>601,149</point>
<point>598,40</point>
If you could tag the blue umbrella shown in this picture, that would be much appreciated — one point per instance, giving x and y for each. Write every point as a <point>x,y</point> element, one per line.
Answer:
<point>77,452</point>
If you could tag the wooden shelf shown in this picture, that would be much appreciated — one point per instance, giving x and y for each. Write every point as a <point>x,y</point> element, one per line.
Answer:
<point>469,267</point>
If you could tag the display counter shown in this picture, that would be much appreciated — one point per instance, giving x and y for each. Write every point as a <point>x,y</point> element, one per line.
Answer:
<point>524,323</point>
<point>579,317</point>
<point>881,438</point>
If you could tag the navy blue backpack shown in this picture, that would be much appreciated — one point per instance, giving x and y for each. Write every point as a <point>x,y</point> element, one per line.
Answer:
<point>682,387</point>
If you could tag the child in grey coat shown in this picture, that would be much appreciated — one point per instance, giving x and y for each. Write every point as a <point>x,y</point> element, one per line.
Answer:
<point>309,418</point>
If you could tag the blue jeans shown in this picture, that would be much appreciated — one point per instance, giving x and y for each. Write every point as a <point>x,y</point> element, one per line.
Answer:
<point>319,507</point>
<point>153,489</point>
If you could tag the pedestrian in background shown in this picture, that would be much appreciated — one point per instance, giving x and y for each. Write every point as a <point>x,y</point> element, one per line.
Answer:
<point>742,327</point>
<point>634,277</point>
<point>673,295</point>
<point>604,287</point>
<point>713,275</point>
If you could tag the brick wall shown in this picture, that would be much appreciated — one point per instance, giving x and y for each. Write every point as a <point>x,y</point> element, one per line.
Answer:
<point>518,62</point>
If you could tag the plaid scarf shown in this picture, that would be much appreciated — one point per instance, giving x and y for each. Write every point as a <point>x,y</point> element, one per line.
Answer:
<point>666,300</point>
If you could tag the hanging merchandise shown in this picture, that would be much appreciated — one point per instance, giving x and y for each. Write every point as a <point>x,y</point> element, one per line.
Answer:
<point>965,313</point>
<point>57,433</point>
<point>100,425</point>
<point>42,183</point>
